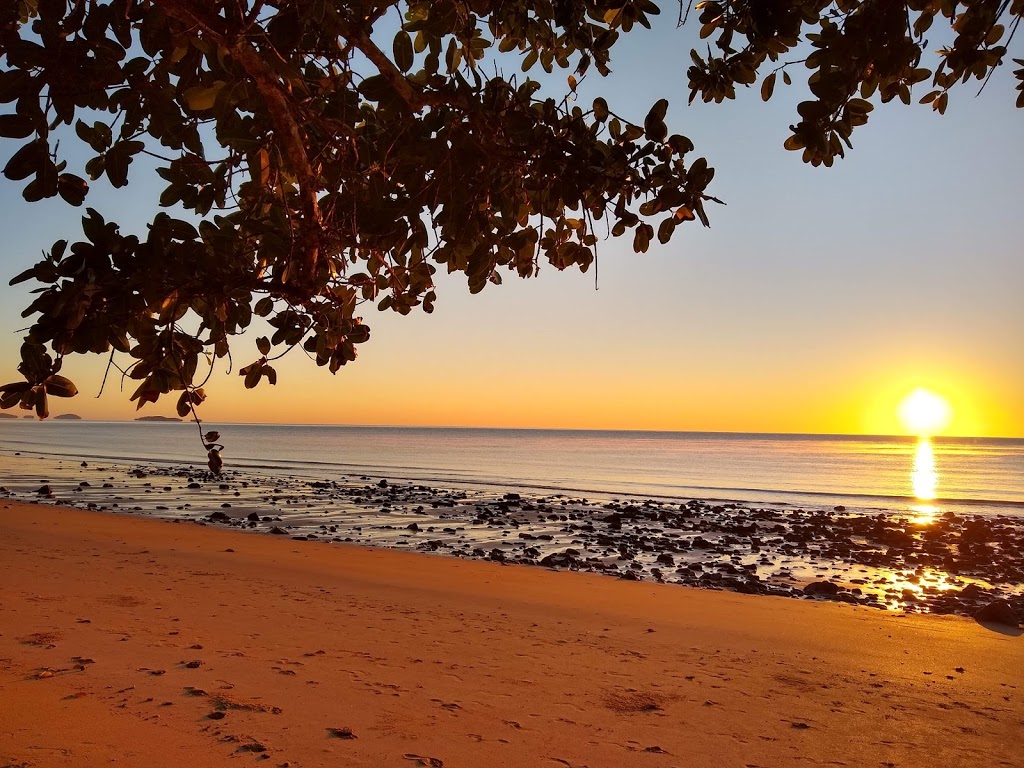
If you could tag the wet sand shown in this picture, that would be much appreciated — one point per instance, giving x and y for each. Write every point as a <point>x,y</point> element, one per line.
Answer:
<point>142,642</point>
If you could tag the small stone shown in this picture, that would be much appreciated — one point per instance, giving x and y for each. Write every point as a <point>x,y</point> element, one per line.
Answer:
<point>821,588</point>
<point>341,733</point>
<point>215,716</point>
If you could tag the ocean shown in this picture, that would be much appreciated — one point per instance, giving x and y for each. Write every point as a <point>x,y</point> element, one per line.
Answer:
<point>976,475</point>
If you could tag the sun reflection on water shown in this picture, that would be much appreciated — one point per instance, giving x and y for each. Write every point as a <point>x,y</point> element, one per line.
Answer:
<point>924,477</point>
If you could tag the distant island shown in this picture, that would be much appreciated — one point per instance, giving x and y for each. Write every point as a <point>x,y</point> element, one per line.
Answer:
<point>5,415</point>
<point>158,418</point>
<point>68,416</point>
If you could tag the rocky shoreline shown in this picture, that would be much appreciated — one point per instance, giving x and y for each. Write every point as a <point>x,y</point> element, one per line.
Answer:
<point>933,562</point>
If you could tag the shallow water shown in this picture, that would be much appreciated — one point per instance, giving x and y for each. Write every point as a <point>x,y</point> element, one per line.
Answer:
<point>885,473</point>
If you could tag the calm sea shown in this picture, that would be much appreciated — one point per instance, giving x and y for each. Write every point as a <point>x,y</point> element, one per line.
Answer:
<point>885,473</point>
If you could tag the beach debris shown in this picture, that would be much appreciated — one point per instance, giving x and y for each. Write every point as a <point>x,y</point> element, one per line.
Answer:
<point>998,612</point>
<point>341,733</point>
<point>216,715</point>
<point>431,762</point>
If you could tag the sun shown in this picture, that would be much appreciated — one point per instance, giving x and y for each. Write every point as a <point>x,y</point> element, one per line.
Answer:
<point>925,413</point>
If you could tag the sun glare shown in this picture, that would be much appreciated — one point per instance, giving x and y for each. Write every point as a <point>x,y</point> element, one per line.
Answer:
<point>925,413</point>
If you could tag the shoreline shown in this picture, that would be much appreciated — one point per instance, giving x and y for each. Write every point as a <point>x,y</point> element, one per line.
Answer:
<point>939,563</point>
<point>149,627</point>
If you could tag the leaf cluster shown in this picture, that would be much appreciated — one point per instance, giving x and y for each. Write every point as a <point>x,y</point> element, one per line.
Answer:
<point>858,49</point>
<point>321,164</point>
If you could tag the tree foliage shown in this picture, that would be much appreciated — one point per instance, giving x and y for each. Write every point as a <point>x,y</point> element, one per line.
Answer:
<point>319,156</point>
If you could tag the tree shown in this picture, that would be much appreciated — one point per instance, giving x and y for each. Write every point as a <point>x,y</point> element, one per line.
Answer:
<point>321,156</point>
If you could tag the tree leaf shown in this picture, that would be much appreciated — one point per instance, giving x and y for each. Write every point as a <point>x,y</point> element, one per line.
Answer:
<point>200,98</point>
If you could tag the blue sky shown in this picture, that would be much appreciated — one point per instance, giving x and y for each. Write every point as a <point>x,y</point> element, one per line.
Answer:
<point>817,299</point>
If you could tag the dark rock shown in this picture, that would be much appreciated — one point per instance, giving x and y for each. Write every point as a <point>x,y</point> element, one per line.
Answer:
<point>193,486</point>
<point>341,733</point>
<point>821,588</point>
<point>412,527</point>
<point>252,517</point>
<point>44,490</point>
<point>278,530</point>
<point>219,517</point>
<point>382,484</point>
<point>666,559</point>
<point>558,560</point>
<point>998,612</point>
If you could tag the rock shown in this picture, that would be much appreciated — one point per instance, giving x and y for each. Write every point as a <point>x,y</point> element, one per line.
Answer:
<point>998,612</point>
<point>821,588</point>
<point>666,559</point>
<point>194,486</point>
<point>512,497</point>
<point>382,484</point>
<point>218,517</point>
<point>44,490</point>
<point>558,560</point>
<point>412,527</point>
<point>252,517</point>
<point>278,530</point>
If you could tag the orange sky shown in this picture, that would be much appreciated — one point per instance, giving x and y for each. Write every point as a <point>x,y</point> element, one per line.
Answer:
<point>818,299</point>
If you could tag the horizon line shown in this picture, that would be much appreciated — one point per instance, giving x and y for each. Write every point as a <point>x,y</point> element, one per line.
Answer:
<point>177,420</point>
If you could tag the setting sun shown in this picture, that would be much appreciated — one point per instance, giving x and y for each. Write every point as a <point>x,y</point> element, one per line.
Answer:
<point>924,413</point>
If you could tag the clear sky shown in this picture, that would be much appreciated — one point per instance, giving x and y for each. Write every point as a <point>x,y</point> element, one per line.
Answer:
<point>818,299</point>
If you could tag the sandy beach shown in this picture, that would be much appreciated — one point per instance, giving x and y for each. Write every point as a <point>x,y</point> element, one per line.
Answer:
<point>127,641</point>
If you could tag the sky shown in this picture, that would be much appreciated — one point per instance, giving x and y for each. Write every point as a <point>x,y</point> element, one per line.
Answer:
<point>817,300</point>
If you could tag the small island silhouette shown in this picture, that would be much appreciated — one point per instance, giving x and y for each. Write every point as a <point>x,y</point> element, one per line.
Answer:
<point>158,418</point>
<point>68,417</point>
